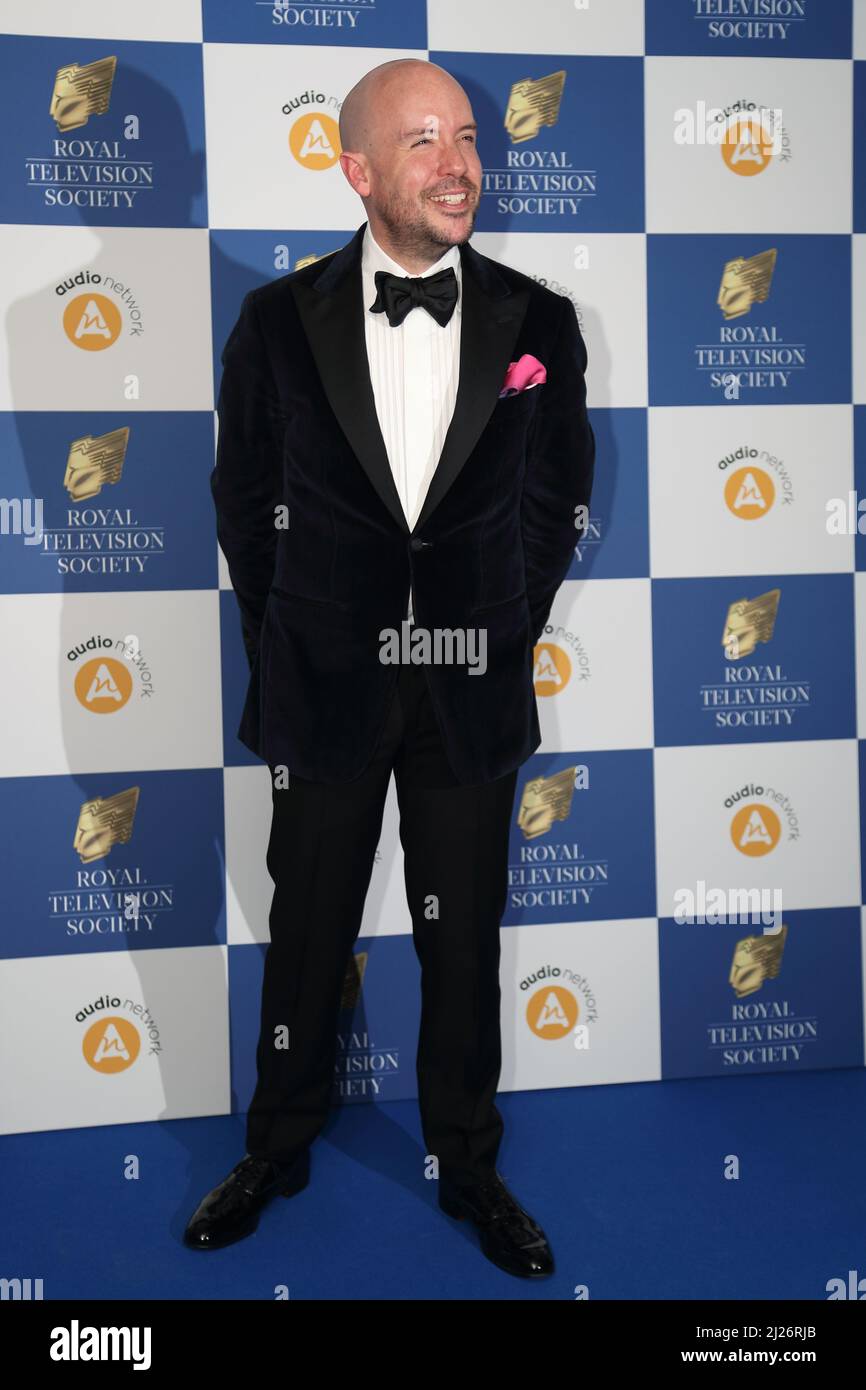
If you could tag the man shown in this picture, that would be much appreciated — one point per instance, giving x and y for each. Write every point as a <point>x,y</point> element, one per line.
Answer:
<point>417,411</point>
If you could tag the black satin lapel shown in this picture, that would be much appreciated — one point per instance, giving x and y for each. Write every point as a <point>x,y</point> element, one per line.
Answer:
<point>488,332</point>
<point>334,324</point>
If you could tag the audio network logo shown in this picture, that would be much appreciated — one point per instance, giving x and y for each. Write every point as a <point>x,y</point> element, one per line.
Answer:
<point>93,321</point>
<point>558,657</point>
<point>756,826</point>
<point>112,1043</point>
<point>314,135</point>
<point>750,491</point>
<point>753,141</point>
<point>749,136</point>
<point>103,684</point>
<point>563,1000</point>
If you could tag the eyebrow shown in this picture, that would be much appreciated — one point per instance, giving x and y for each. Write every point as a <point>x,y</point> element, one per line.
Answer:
<point>422,130</point>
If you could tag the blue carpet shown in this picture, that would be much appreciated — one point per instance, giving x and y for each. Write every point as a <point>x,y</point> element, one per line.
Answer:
<point>628,1182</point>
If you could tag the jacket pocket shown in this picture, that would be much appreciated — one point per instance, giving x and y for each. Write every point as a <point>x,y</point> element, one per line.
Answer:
<point>499,603</point>
<point>306,598</point>
<point>519,400</point>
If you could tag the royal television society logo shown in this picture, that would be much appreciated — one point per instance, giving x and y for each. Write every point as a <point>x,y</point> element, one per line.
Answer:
<point>552,873</point>
<point>300,14</point>
<point>756,959</point>
<point>748,356</point>
<point>94,462</point>
<point>760,1032</point>
<point>99,539</point>
<point>746,280</point>
<point>537,182</point>
<point>103,822</point>
<point>753,694</point>
<point>81,90</point>
<point>102,168</point>
<point>770,21</point>
<point>106,899</point>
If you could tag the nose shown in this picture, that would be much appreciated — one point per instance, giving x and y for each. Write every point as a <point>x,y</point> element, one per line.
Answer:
<point>452,159</point>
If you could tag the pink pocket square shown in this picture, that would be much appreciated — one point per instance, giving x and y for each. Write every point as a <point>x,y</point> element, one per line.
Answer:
<point>528,371</point>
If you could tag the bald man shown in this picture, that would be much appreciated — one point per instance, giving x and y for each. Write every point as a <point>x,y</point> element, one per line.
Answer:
<point>419,409</point>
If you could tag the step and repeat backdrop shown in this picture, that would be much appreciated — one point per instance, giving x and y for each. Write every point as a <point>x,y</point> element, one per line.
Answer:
<point>690,174</point>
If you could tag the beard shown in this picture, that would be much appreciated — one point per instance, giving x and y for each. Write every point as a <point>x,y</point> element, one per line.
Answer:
<point>412,229</point>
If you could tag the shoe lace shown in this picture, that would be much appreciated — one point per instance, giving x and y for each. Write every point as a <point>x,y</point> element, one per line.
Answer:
<point>254,1168</point>
<point>499,1205</point>
<point>248,1174</point>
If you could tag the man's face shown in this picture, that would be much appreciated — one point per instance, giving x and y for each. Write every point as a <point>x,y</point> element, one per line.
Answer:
<point>424,172</point>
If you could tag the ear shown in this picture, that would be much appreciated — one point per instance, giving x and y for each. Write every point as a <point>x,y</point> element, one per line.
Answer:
<point>354,166</point>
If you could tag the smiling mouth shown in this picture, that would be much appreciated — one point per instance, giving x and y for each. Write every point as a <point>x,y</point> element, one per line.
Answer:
<point>458,200</point>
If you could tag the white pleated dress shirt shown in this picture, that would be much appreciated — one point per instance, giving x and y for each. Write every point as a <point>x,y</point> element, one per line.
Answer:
<point>414,371</point>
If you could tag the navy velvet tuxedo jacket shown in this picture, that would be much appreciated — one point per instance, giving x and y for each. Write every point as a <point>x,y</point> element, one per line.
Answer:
<point>494,540</point>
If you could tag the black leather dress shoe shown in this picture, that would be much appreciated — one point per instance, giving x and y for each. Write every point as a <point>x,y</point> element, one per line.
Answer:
<point>231,1211</point>
<point>509,1236</point>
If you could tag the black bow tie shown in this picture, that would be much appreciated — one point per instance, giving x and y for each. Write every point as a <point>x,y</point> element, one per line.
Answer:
<point>398,294</point>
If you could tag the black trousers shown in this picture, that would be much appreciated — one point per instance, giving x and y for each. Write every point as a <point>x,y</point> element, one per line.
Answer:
<point>320,856</point>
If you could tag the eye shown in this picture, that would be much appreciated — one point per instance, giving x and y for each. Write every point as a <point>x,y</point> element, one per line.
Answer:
<point>425,140</point>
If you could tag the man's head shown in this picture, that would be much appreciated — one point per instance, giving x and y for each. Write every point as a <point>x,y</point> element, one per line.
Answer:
<point>408,138</point>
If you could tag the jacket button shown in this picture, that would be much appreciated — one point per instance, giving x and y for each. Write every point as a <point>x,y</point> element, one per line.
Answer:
<point>417,544</point>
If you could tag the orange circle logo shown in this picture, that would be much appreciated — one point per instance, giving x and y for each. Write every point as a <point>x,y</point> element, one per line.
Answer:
<point>552,1012</point>
<point>314,140</point>
<point>747,148</point>
<point>756,829</point>
<point>552,669</point>
<point>92,321</point>
<point>111,1044</point>
<point>750,493</point>
<point>103,684</point>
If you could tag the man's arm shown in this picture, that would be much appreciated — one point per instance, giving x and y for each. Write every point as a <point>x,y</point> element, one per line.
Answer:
<point>560,460</point>
<point>246,482</point>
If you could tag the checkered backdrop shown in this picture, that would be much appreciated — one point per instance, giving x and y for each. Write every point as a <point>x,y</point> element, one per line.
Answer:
<point>690,174</point>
